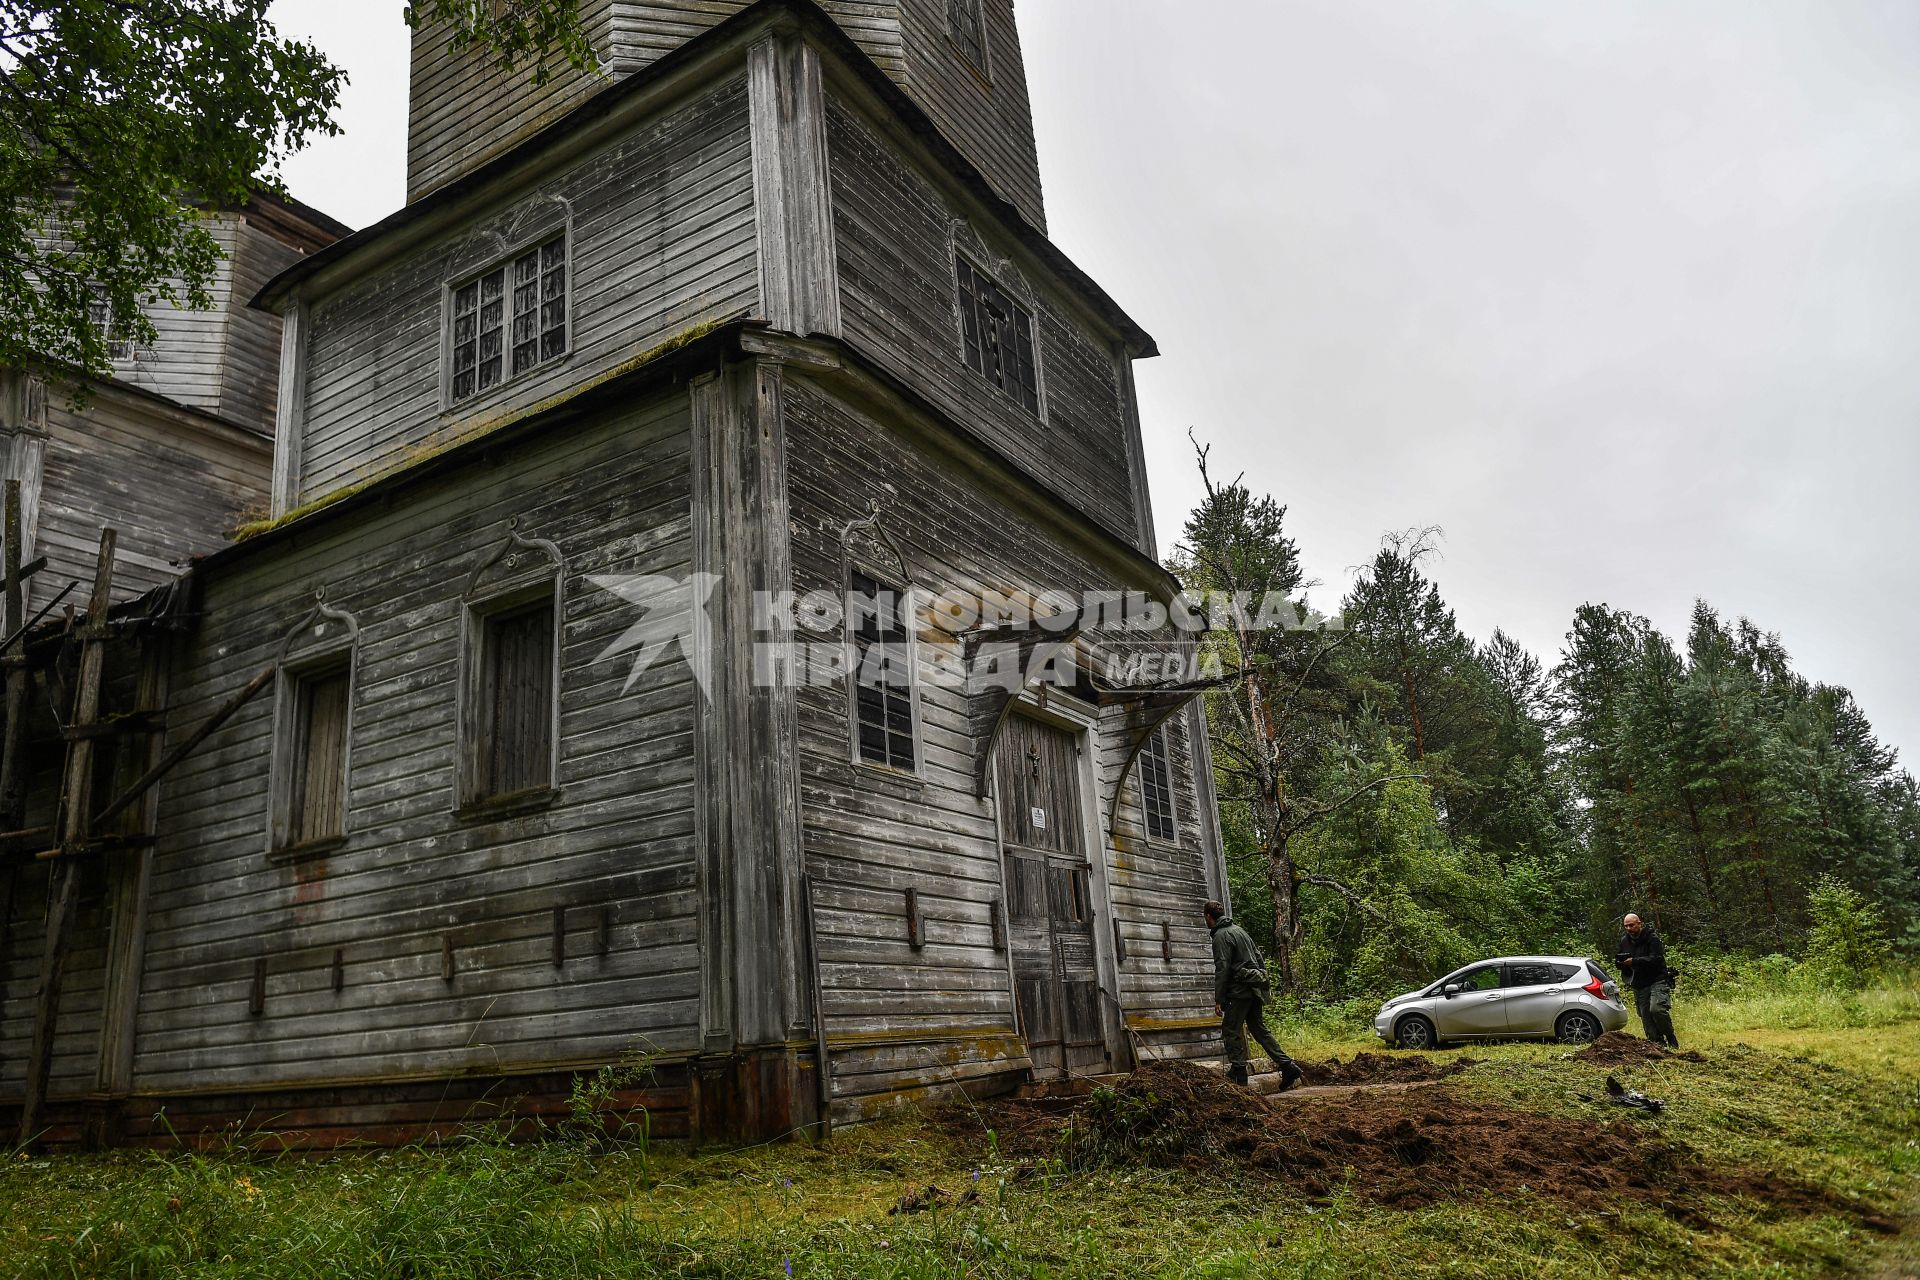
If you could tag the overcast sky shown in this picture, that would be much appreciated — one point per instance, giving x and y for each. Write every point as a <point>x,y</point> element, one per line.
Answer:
<point>1624,296</point>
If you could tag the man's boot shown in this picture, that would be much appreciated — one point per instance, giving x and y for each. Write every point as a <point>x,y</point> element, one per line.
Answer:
<point>1237,1072</point>
<point>1290,1074</point>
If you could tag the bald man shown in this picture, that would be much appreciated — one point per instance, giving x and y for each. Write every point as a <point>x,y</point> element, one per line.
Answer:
<point>1644,957</point>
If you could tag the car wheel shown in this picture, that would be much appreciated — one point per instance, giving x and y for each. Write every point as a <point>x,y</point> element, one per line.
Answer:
<point>1415,1032</point>
<point>1577,1028</point>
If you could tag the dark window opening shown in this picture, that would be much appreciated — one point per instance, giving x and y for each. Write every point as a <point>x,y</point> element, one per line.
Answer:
<point>968,25</point>
<point>316,798</point>
<point>882,674</point>
<point>998,335</point>
<point>1156,786</point>
<point>510,319</point>
<point>513,730</point>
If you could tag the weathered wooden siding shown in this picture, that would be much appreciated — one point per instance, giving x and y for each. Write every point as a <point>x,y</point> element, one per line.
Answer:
<point>663,241</point>
<point>464,110</point>
<point>614,498</point>
<point>174,484</point>
<point>900,1017</point>
<point>250,362</point>
<point>1160,885</point>
<point>988,116</point>
<point>896,234</point>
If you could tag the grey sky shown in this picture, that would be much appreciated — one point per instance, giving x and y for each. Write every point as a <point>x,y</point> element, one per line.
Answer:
<point>1625,296</point>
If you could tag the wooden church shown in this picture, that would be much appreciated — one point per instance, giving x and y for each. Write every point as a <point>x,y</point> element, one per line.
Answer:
<point>491,753</point>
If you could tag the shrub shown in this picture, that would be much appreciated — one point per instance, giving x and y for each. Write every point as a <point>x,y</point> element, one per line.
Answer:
<point>1848,942</point>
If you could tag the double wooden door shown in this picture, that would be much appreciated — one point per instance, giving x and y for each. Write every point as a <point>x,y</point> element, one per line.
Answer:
<point>1050,909</point>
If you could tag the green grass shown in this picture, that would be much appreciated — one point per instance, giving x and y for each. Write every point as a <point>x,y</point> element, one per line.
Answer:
<point>1829,1092</point>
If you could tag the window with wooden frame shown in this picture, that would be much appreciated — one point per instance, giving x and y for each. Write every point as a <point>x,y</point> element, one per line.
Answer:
<point>967,24</point>
<point>310,760</point>
<point>880,631</point>
<point>511,712</point>
<point>508,319</point>
<point>100,314</point>
<point>997,333</point>
<point>1156,786</point>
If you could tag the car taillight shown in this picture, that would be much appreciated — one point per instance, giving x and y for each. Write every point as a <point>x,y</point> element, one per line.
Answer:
<point>1597,989</point>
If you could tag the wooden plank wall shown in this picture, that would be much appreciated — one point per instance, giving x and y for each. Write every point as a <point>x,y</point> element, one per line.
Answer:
<point>250,363</point>
<point>614,496</point>
<point>895,231</point>
<point>171,481</point>
<point>464,110</point>
<point>664,240</point>
<point>1156,884</point>
<point>901,1016</point>
<point>988,117</point>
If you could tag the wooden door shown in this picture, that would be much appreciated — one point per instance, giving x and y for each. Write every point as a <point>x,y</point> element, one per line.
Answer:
<point>1050,909</point>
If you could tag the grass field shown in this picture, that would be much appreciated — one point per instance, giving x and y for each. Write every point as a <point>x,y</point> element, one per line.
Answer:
<point>1823,1088</point>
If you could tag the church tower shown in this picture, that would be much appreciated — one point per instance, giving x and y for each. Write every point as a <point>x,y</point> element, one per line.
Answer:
<point>960,60</point>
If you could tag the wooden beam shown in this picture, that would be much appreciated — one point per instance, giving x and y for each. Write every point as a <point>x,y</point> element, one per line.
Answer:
<point>13,730</point>
<point>75,824</point>
<point>181,752</point>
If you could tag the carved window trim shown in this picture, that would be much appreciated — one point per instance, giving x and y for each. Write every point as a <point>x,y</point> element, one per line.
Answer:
<point>503,261</point>
<point>966,245</point>
<point>882,563</point>
<point>326,641</point>
<point>531,572</point>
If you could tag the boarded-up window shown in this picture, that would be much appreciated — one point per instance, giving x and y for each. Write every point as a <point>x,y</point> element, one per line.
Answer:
<point>313,808</point>
<point>512,724</point>
<point>1156,786</point>
<point>998,335</point>
<point>882,673</point>
<point>509,319</point>
<point>965,21</point>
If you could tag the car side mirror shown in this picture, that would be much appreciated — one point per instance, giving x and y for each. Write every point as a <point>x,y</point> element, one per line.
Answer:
<point>1451,990</point>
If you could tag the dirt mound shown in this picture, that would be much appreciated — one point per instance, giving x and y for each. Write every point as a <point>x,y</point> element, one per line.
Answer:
<point>1379,1068</point>
<point>1400,1148</point>
<point>1618,1049</point>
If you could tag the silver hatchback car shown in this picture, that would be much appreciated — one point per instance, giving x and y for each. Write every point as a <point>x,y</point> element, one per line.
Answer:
<point>1564,998</point>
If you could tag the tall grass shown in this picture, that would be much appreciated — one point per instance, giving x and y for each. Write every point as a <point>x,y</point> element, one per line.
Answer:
<point>1718,995</point>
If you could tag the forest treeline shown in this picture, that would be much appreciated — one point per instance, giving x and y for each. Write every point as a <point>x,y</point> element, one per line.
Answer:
<point>1399,798</point>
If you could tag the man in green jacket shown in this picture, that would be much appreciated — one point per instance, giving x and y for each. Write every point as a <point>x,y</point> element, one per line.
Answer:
<point>1239,992</point>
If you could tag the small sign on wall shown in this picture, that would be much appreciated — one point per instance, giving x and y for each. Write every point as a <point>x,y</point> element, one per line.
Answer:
<point>1039,819</point>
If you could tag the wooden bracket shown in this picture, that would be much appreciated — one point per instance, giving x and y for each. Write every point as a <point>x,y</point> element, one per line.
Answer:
<point>1166,941</point>
<point>339,970</point>
<point>914,935</point>
<point>1119,942</point>
<point>996,920</point>
<point>446,957</point>
<point>128,725</point>
<point>559,937</point>
<point>257,994</point>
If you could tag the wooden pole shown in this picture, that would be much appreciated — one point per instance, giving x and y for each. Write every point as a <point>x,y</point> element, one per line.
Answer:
<point>74,825</point>
<point>129,880</point>
<point>179,753</point>
<point>13,732</point>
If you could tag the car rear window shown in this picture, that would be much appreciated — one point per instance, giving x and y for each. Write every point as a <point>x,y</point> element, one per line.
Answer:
<point>1594,968</point>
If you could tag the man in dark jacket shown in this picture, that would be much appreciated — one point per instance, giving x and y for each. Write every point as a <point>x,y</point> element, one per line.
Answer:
<point>1239,992</point>
<point>1644,957</point>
